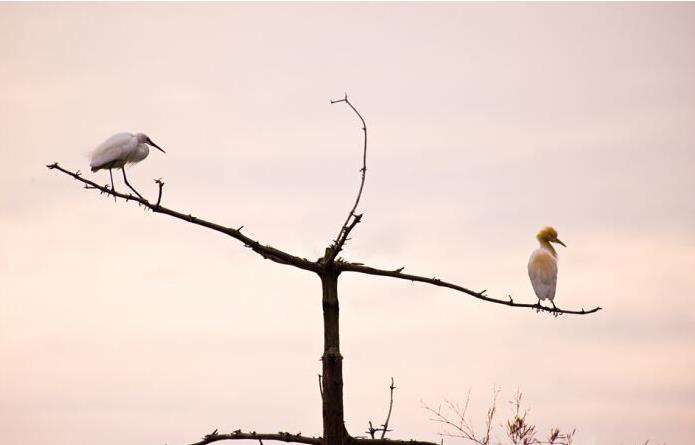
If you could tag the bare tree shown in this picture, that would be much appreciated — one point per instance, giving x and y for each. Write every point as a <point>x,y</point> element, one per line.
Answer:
<point>328,268</point>
<point>457,423</point>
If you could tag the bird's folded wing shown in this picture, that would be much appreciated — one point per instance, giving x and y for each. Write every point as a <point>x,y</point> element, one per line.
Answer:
<point>542,270</point>
<point>114,148</point>
<point>543,267</point>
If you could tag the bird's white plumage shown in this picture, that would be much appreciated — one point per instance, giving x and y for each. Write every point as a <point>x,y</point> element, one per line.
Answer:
<point>542,270</point>
<point>119,150</point>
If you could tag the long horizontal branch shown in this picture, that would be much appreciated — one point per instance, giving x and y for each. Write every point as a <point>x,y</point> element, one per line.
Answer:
<point>362,441</point>
<point>298,438</point>
<point>280,437</point>
<point>265,251</point>
<point>282,257</point>
<point>398,273</point>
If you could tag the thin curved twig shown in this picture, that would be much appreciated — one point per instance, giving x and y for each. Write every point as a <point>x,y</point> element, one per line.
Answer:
<point>388,416</point>
<point>347,226</point>
<point>359,268</point>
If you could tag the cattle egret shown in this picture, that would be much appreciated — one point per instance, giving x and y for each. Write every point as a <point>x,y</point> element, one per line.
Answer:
<point>542,266</point>
<point>118,151</point>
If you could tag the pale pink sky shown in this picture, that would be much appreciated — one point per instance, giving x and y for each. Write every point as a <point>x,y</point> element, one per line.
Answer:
<point>487,122</point>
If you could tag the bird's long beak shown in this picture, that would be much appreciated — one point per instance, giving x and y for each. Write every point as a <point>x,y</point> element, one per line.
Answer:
<point>156,146</point>
<point>560,242</point>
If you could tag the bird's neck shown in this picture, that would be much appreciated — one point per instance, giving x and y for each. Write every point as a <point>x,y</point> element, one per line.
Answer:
<point>546,245</point>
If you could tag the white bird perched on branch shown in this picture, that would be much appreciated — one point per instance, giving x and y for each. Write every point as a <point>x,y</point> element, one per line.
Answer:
<point>119,150</point>
<point>542,266</point>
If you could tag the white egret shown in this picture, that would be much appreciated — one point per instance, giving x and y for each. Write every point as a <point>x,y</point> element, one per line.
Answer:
<point>118,151</point>
<point>542,266</point>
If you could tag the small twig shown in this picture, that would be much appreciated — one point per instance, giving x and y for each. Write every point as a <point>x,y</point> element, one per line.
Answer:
<point>321,385</point>
<point>461,426</point>
<point>388,416</point>
<point>371,430</point>
<point>159,193</point>
<point>490,415</point>
<point>344,237</point>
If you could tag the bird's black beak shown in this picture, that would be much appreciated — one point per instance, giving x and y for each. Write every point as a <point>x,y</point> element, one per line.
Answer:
<point>560,242</point>
<point>149,141</point>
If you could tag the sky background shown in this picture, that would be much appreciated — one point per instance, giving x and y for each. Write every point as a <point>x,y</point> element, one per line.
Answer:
<point>486,123</point>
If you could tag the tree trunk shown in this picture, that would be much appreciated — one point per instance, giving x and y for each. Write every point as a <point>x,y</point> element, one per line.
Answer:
<point>334,432</point>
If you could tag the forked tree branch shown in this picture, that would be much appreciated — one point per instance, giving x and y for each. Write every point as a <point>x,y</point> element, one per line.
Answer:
<point>384,426</point>
<point>398,273</point>
<point>352,219</point>
<point>267,252</point>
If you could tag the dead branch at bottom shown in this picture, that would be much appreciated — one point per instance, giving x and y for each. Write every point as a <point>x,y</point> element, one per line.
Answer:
<point>280,437</point>
<point>360,441</point>
<point>298,438</point>
<point>519,430</point>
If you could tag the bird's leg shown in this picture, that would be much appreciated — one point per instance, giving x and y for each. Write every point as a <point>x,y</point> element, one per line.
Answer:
<point>554,307</point>
<point>112,187</point>
<point>128,184</point>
